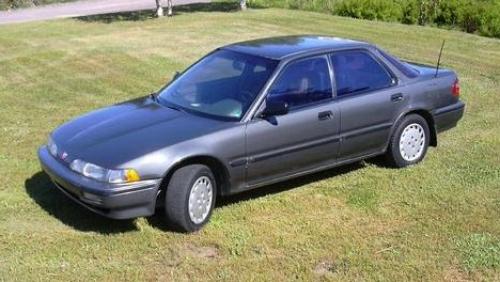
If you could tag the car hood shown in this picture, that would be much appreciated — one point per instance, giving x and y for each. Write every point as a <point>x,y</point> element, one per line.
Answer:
<point>114,135</point>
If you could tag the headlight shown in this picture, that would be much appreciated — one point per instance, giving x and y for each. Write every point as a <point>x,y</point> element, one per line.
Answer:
<point>104,175</point>
<point>52,147</point>
<point>123,176</point>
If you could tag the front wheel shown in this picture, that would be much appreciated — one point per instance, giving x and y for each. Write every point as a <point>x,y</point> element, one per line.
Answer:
<point>409,142</point>
<point>190,197</point>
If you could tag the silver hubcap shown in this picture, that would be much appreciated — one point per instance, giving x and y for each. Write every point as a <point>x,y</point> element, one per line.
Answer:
<point>200,199</point>
<point>412,142</point>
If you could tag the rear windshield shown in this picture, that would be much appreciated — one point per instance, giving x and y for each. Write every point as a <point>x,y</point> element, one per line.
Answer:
<point>401,66</point>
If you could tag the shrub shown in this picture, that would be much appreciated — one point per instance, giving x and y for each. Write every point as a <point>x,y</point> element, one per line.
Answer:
<point>449,12</point>
<point>481,16</point>
<point>384,10</point>
<point>409,12</point>
<point>13,4</point>
<point>470,17</point>
<point>490,22</point>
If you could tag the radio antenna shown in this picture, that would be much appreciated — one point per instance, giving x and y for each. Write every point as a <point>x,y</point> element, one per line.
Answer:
<point>439,59</point>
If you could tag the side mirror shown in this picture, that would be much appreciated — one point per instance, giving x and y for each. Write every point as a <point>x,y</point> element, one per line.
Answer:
<point>275,108</point>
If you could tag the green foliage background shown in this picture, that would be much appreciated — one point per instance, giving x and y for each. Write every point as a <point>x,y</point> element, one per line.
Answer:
<point>473,16</point>
<point>13,4</point>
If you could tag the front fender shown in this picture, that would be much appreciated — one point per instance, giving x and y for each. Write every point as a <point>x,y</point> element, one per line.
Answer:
<point>218,150</point>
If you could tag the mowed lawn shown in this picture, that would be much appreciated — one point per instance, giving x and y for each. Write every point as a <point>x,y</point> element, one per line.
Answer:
<point>439,220</point>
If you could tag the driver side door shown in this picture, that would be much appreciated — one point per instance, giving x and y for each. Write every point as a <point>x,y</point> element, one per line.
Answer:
<point>307,136</point>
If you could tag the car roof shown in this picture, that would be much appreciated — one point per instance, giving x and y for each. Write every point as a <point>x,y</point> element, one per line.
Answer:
<point>279,48</point>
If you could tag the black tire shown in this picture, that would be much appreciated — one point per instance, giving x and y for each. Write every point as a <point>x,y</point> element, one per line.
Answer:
<point>177,197</point>
<point>393,155</point>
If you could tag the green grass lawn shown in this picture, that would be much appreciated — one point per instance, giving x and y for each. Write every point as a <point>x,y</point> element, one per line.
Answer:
<point>439,220</point>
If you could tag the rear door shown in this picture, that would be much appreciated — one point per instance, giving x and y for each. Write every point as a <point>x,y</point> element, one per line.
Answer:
<point>307,135</point>
<point>369,98</point>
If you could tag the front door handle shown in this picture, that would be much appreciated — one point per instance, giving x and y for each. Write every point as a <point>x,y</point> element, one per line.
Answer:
<point>326,115</point>
<point>396,97</point>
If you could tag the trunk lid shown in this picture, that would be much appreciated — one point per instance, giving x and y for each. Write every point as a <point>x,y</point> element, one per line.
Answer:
<point>428,71</point>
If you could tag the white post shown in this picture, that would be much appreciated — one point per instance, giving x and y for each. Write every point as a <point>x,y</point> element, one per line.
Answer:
<point>243,5</point>
<point>159,9</point>
<point>169,6</point>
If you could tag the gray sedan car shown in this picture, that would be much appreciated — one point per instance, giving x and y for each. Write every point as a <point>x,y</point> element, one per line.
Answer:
<point>247,115</point>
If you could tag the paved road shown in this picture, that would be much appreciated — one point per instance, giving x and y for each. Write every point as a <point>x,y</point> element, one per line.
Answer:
<point>81,8</point>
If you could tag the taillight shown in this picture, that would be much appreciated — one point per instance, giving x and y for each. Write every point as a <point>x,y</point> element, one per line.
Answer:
<point>455,88</point>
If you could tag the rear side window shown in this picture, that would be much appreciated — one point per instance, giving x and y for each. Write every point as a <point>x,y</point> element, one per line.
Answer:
<point>302,83</point>
<point>401,66</point>
<point>357,71</point>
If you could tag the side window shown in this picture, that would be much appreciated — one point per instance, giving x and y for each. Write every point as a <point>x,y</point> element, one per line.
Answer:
<point>303,82</point>
<point>356,71</point>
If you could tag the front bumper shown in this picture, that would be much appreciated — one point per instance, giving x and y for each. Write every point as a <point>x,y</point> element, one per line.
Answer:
<point>113,201</point>
<point>447,117</point>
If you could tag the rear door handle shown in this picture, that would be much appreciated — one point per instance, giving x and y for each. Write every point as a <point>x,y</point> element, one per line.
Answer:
<point>326,115</point>
<point>397,97</point>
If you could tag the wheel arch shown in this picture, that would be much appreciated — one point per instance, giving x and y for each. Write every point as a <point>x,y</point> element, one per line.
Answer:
<point>428,118</point>
<point>219,170</point>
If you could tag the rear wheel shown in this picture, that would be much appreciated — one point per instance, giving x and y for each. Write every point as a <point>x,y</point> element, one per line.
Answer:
<point>190,197</point>
<point>409,142</point>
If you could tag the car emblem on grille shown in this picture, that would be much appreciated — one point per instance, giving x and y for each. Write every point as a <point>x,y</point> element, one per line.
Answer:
<point>64,155</point>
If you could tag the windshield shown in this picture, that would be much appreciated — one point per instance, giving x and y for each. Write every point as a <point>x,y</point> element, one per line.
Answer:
<point>223,84</point>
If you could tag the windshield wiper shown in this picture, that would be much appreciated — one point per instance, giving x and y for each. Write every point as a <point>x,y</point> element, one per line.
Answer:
<point>174,107</point>
<point>169,105</point>
<point>153,96</point>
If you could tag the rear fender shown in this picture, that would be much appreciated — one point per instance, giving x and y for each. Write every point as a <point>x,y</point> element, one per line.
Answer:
<point>426,115</point>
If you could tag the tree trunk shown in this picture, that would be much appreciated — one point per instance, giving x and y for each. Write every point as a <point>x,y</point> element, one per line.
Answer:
<point>243,5</point>
<point>159,9</point>
<point>422,17</point>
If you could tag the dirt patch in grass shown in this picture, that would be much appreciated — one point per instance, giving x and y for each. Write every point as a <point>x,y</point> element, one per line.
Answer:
<point>328,267</point>
<point>202,252</point>
<point>455,274</point>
